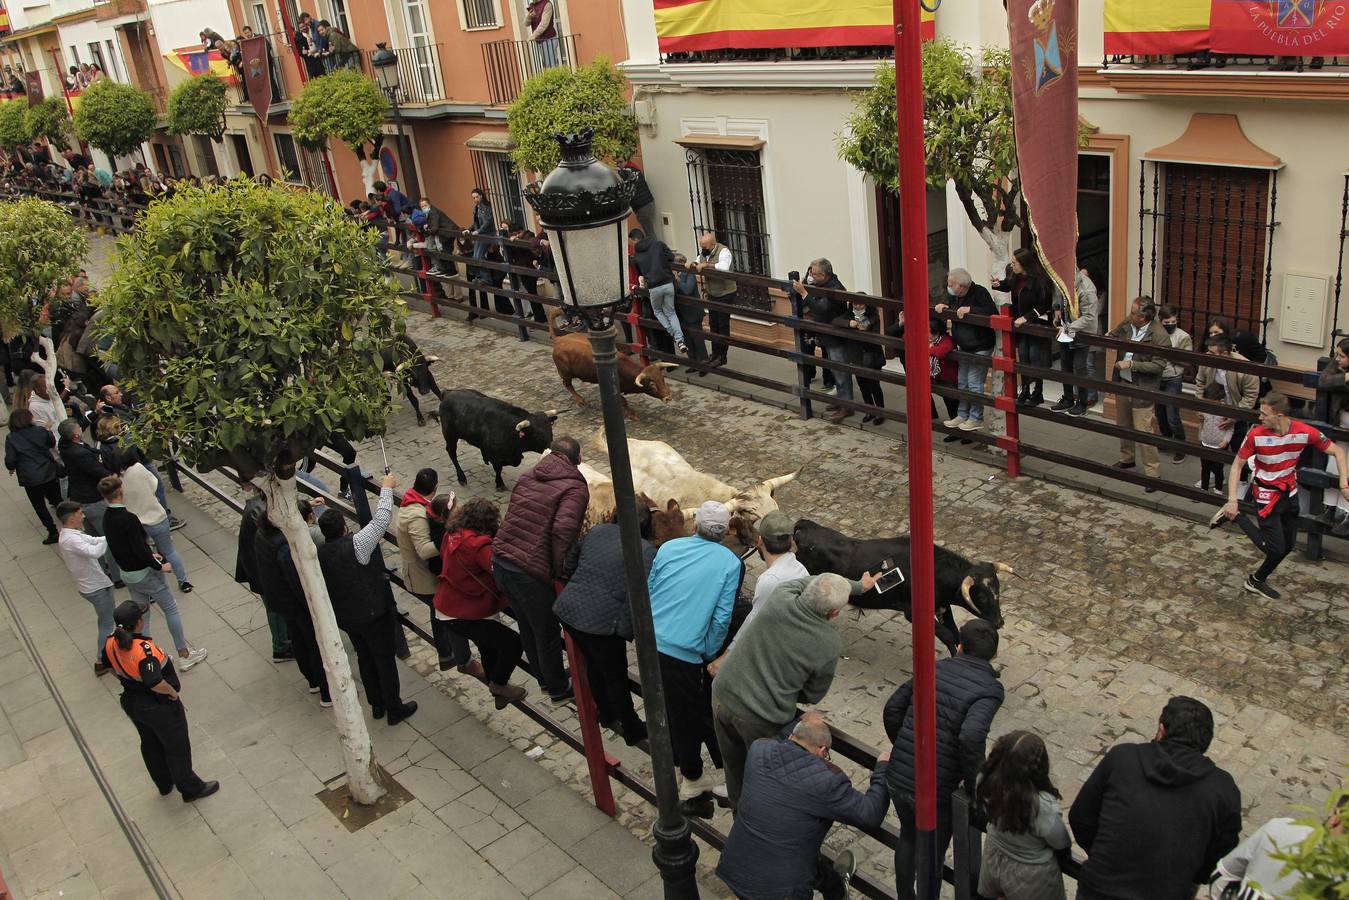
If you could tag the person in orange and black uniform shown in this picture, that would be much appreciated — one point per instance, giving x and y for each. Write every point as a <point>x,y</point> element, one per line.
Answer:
<point>150,700</point>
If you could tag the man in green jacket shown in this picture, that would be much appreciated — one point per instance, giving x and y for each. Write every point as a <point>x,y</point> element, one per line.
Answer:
<point>1142,370</point>
<point>786,656</point>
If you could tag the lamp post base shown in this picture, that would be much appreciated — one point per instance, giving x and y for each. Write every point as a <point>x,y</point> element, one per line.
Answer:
<point>676,858</point>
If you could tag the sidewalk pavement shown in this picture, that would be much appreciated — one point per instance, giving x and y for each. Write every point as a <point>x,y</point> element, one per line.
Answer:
<point>487,821</point>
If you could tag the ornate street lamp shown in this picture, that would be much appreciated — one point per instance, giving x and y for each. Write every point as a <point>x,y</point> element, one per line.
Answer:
<point>584,206</point>
<point>385,63</point>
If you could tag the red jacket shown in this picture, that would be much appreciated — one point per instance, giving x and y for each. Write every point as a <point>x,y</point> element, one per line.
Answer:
<point>465,589</point>
<point>544,518</point>
<point>945,366</point>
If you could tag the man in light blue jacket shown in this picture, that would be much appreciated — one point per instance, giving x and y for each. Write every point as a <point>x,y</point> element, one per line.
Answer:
<point>693,584</point>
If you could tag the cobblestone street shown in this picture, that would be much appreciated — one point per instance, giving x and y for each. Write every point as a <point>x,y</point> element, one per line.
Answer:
<point>1119,607</point>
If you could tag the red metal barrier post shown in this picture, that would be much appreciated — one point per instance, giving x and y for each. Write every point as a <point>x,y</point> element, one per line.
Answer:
<point>597,761</point>
<point>1005,362</point>
<point>913,252</point>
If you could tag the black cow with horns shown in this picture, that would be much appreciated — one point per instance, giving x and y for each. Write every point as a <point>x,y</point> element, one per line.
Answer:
<point>411,369</point>
<point>957,581</point>
<point>502,432</point>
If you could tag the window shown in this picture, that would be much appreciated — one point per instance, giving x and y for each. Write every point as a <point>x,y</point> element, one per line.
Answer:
<point>288,158</point>
<point>115,69</point>
<point>480,14</point>
<point>726,193</point>
<point>260,23</point>
<point>176,163</point>
<point>497,175</point>
<point>335,11</point>
<point>96,57</point>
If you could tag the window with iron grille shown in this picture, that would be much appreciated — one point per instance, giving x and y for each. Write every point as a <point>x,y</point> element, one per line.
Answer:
<point>726,194</point>
<point>497,175</point>
<point>1212,237</point>
<point>480,14</point>
<point>288,158</point>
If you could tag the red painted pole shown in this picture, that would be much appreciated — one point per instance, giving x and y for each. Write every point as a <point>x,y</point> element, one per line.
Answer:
<point>598,762</point>
<point>913,256</point>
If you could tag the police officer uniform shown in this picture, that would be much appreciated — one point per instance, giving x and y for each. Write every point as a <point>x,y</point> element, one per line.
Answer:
<point>159,719</point>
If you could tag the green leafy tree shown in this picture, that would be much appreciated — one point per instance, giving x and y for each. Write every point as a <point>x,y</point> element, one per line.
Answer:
<point>968,135</point>
<point>40,248</point>
<point>197,106</point>
<point>49,119</point>
<point>249,319</point>
<point>344,105</point>
<point>559,100</point>
<point>14,131</point>
<point>116,118</point>
<point>1321,861</point>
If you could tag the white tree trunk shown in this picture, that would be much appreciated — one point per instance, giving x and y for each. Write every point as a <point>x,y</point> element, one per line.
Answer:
<point>351,730</point>
<point>999,244</point>
<point>46,358</point>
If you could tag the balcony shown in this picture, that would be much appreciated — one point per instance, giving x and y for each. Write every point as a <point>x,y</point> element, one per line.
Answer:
<point>421,80</point>
<point>106,10</point>
<point>1205,74</point>
<point>509,64</point>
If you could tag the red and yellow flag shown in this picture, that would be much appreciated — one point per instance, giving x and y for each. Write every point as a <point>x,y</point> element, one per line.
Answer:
<point>1156,27</point>
<point>1281,27</point>
<point>684,25</point>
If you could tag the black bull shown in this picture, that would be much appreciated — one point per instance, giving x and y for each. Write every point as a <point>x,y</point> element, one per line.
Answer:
<point>412,370</point>
<point>957,581</point>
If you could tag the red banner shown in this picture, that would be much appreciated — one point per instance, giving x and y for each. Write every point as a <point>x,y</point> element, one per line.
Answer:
<point>33,81</point>
<point>1280,27</point>
<point>1043,36</point>
<point>256,79</point>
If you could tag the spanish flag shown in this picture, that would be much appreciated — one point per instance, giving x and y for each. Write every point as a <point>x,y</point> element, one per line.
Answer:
<point>199,62</point>
<point>683,25</point>
<point>1156,27</point>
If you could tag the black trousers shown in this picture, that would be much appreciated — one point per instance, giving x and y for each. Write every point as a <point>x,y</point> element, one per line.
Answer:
<point>305,646</point>
<point>1210,469</point>
<point>376,658</point>
<point>40,495</point>
<point>165,746</point>
<point>906,862</point>
<point>952,407</point>
<point>1073,358</point>
<point>606,657</point>
<point>720,323</point>
<point>540,631</point>
<point>688,702</point>
<point>1275,535</point>
<point>870,389</point>
<point>499,646</point>
<point>690,315</point>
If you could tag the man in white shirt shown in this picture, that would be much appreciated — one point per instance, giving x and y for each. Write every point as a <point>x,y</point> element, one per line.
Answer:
<point>714,258</point>
<point>47,411</point>
<point>81,553</point>
<point>775,549</point>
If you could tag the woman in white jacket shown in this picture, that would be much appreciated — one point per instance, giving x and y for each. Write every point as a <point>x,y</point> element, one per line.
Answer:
<point>139,485</point>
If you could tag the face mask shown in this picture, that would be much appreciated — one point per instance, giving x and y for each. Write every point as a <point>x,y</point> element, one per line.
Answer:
<point>1170,329</point>
<point>810,279</point>
<point>952,292</point>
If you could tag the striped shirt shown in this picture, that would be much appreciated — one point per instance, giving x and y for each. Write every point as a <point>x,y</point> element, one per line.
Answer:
<point>1274,456</point>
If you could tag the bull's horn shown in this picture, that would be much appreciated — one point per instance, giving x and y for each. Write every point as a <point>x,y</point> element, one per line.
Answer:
<point>1003,567</point>
<point>522,425</point>
<point>774,483</point>
<point>550,412</point>
<point>640,380</point>
<point>965,587</point>
<point>433,359</point>
<point>668,365</point>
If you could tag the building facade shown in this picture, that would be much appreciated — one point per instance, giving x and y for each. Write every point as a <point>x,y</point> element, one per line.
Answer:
<point>1220,190</point>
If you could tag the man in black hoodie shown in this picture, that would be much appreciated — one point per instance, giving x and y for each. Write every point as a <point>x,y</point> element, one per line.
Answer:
<point>1155,818</point>
<point>827,309</point>
<point>655,263</point>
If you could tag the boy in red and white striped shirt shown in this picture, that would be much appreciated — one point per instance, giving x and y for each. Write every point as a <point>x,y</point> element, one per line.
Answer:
<point>1272,449</point>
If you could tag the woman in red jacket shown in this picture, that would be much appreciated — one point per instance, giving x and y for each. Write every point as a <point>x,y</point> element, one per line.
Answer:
<point>467,599</point>
<point>940,345</point>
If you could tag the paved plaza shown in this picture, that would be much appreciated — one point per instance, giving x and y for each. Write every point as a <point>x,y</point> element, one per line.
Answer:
<point>1120,607</point>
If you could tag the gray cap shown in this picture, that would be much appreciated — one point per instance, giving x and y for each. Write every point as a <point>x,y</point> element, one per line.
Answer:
<point>777,525</point>
<point>713,516</point>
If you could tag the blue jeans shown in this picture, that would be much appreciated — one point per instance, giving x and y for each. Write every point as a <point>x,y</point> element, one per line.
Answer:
<point>160,493</point>
<point>154,589</point>
<point>104,603</point>
<point>970,377</point>
<point>663,306</point>
<point>93,524</point>
<point>1168,417</point>
<point>842,380</point>
<point>161,534</point>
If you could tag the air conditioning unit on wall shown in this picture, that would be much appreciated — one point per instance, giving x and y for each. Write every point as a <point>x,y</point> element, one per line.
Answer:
<point>1302,317</point>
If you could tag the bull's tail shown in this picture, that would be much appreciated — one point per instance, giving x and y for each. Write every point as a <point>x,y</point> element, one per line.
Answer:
<point>553,313</point>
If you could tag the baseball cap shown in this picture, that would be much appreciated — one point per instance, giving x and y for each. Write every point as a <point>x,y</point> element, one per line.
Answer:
<point>777,525</point>
<point>713,516</point>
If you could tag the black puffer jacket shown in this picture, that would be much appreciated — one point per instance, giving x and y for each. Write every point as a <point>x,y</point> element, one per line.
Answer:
<point>968,696</point>
<point>969,337</point>
<point>595,600</point>
<point>825,309</point>
<point>245,560</point>
<point>84,468</point>
<point>279,583</point>
<point>1332,381</point>
<point>28,454</point>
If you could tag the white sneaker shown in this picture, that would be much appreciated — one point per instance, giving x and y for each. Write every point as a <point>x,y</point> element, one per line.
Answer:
<point>971,425</point>
<point>696,788</point>
<point>832,391</point>
<point>194,656</point>
<point>325,704</point>
<point>956,422</point>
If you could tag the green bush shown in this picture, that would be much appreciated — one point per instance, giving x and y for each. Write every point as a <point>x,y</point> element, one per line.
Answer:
<point>14,131</point>
<point>40,248</point>
<point>1321,861</point>
<point>344,105</point>
<point>560,100</point>
<point>250,320</point>
<point>49,119</point>
<point>115,118</point>
<point>197,106</point>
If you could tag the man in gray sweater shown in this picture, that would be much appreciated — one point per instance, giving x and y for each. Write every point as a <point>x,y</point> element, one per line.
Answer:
<point>786,656</point>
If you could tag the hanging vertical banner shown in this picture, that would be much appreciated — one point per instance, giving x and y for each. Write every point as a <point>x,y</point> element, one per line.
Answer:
<point>1043,36</point>
<point>256,79</point>
<point>33,81</point>
<point>688,25</point>
<point>1281,27</point>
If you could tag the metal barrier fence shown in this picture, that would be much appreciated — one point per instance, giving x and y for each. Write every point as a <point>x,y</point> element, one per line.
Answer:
<point>604,767</point>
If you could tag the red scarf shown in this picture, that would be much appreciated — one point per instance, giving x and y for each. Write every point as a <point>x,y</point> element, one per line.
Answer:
<point>411,497</point>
